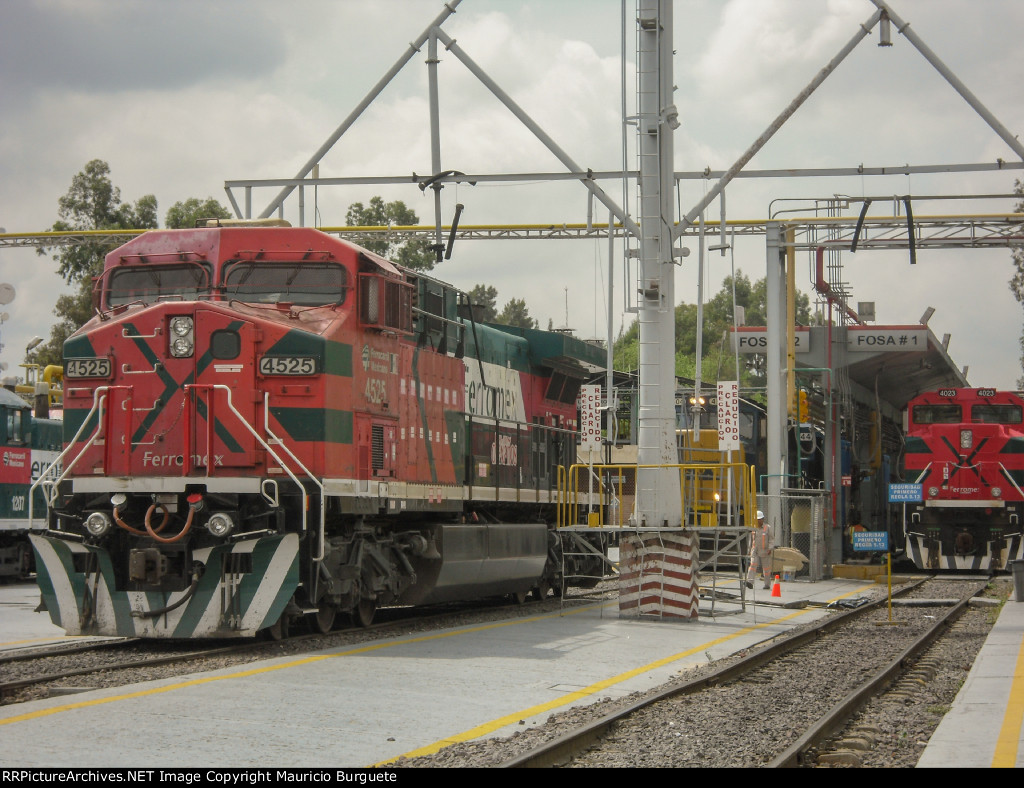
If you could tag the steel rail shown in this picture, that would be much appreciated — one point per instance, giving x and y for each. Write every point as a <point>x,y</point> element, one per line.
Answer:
<point>9,687</point>
<point>833,721</point>
<point>60,649</point>
<point>559,750</point>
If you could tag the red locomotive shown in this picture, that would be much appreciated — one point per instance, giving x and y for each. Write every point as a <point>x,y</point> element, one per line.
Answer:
<point>264,423</point>
<point>965,447</point>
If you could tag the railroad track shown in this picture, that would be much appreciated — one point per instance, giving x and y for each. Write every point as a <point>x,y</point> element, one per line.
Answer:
<point>63,648</point>
<point>774,707</point>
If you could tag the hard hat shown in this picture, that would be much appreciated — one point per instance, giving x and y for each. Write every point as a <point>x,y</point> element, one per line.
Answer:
<point>760,515</point>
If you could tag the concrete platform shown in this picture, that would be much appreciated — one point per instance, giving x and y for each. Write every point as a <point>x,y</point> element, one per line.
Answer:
<point>20,626</point>
<point>371,704</point>
<point>984,727</point>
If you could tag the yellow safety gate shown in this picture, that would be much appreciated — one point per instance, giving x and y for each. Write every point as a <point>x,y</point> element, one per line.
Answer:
<point>712,494</point>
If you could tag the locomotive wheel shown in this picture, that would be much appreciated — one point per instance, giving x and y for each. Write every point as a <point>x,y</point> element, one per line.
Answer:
<point>364,612</point>
<point>542,590</point>
<point>323,618</point>
<point>281,630</point>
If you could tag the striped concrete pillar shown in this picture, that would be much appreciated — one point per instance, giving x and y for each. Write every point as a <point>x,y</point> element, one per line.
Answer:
<point>657,575</point>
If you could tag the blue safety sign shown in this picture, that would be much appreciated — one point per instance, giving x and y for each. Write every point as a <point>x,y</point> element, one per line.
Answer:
<point>904,493</point>
<point>870,541</point>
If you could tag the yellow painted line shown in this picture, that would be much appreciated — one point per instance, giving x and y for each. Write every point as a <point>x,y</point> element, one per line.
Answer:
<point>55,638</point>
<point>565,700</point>
<point>480,730</point>
<point>1005,756</point>
<point>33,715</point>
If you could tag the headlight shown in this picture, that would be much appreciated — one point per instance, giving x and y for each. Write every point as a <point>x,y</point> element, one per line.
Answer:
<point>98,523</point>
<point>997,492</point>
<point>181,348</point>
<point>182,336</point>
<point>933,491</point>
<point>220,524</point>
<point>966,439</point>
<point>181,326</point>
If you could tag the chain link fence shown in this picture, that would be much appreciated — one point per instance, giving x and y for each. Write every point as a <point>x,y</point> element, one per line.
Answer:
<point>801,547</point>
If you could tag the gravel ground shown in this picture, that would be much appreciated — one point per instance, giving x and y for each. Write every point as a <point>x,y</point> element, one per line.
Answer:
<point>897,726</point>
<point>746,723</point>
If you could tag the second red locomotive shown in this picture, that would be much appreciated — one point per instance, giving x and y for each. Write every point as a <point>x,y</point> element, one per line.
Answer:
<point>267,422</point>
<point>965,448</point>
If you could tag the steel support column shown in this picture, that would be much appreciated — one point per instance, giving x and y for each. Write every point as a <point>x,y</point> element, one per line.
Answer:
<point>658,490</point>
<point>775,314</point>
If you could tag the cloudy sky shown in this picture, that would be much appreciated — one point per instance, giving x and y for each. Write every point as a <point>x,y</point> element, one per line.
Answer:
<point>179,96</point>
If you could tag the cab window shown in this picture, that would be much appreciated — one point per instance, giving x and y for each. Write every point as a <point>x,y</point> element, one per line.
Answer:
<point>305,284</point>
<point>937,414</point>
<point>147,283</point>
<point>996,414</point>
<point>14,426</point>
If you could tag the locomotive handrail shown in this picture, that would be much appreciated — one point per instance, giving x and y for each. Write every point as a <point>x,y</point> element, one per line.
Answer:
<point>317,482</point>
<point>923,473</point>
<point>267,447</point>
<point>127,370</point>
<point>42,480</point>
<point>126,335</point>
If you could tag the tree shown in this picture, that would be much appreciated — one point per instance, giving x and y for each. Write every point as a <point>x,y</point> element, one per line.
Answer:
<point>73,311</point>
<point>515,313</point>
<point>484,299</point>
<point>91,203</point>
<point>1017,282</point>
<point>718,361</point>
<point>185,214</point>
<point>414,254</point>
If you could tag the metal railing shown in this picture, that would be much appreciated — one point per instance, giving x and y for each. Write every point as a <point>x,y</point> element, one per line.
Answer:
<point>711,494</point>
<point>49,480</point>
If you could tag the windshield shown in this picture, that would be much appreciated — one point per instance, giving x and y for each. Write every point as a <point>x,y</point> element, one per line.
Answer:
<point>306,284</point>
<point>937,414</point>
<point>147,283</point>
<point>996,414</point>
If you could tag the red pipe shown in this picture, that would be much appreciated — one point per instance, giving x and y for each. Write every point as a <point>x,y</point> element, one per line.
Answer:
<point>831,296</point>
<point>825,288</point>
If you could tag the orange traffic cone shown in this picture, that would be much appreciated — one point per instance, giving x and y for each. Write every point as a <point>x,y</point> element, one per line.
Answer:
<point>776,588</point>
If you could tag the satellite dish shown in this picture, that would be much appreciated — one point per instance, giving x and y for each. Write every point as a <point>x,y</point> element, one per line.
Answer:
<point>6,293</point>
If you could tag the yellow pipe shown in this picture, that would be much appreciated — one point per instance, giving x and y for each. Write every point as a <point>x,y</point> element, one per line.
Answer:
<point>53,373</point>
<point>794,221</point>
